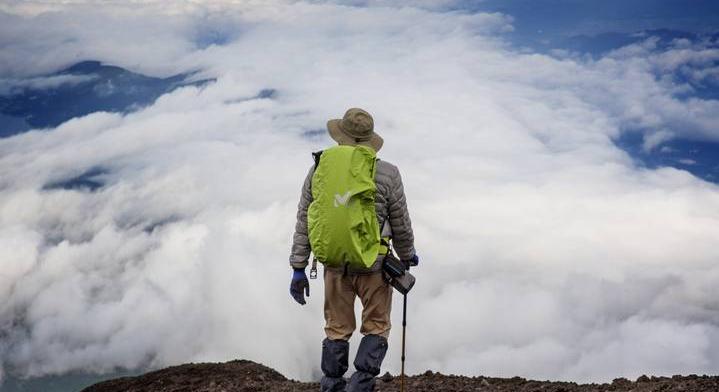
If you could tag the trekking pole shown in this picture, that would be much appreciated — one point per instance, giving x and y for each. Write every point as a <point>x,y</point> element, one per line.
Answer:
<point>404,330</point>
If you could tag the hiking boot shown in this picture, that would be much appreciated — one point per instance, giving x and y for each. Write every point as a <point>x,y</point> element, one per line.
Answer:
<point>335,357</point>
<point>368,361</point>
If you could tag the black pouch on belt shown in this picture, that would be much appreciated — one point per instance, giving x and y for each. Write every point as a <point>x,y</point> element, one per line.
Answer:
<point>396,273</point>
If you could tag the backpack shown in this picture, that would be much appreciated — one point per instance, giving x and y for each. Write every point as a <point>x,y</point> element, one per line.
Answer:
<point>341,220</point>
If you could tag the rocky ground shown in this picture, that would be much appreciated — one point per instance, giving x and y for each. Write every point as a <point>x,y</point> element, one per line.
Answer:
<point>245,376</point>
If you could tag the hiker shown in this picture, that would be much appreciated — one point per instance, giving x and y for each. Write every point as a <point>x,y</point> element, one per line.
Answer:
<point>351,162</point>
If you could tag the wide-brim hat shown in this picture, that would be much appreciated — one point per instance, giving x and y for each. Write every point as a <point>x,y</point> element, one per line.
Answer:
<point>356,127</point>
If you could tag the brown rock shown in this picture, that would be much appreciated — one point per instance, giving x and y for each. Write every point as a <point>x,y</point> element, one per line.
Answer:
<point>246,376</point>
<point>386,377</point>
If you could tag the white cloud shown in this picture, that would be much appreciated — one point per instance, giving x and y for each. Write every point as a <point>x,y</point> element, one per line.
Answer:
<point>545,252</point>
<point>14,86</point>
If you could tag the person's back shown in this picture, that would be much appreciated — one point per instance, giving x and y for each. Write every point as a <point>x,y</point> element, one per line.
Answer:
<point>392,216</point>
<point>343,284</point>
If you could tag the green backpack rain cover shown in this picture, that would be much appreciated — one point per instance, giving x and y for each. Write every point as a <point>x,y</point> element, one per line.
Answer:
<point>341,219</point>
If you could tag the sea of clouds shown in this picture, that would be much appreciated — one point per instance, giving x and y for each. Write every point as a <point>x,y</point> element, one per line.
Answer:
<point>546,252</point>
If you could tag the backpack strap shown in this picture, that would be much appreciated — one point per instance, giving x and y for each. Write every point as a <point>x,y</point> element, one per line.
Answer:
<point>313,271</point>
<point>316,156</point>
<point>385,247</point>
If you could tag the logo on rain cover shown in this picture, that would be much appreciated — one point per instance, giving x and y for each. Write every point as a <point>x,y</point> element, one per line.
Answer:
<point>341,200</point>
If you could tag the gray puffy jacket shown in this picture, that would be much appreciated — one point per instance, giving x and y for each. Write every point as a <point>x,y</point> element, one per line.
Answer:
<point>390,202</point>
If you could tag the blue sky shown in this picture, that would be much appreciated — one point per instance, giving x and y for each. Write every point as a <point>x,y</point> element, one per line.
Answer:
<point>573,17</point>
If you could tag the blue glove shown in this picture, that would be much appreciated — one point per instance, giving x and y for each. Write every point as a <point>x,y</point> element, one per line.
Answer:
<point>299,286</point>
<point>413,262</point>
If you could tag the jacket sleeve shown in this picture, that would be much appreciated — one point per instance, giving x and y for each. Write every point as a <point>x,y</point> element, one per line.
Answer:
<point>300,240</point>
<point>402,235</point>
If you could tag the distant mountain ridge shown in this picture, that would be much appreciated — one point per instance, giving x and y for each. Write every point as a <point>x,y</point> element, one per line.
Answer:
<point>82,88</point>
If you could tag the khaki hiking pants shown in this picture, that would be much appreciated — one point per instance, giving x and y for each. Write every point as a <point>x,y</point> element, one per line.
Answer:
<point>340,292</point>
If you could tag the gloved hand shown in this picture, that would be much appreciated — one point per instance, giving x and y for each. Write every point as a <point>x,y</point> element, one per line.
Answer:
<point>413,262</point>
<point>298,285</point>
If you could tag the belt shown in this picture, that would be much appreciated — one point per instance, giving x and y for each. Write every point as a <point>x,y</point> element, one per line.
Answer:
<point>384,249</point>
